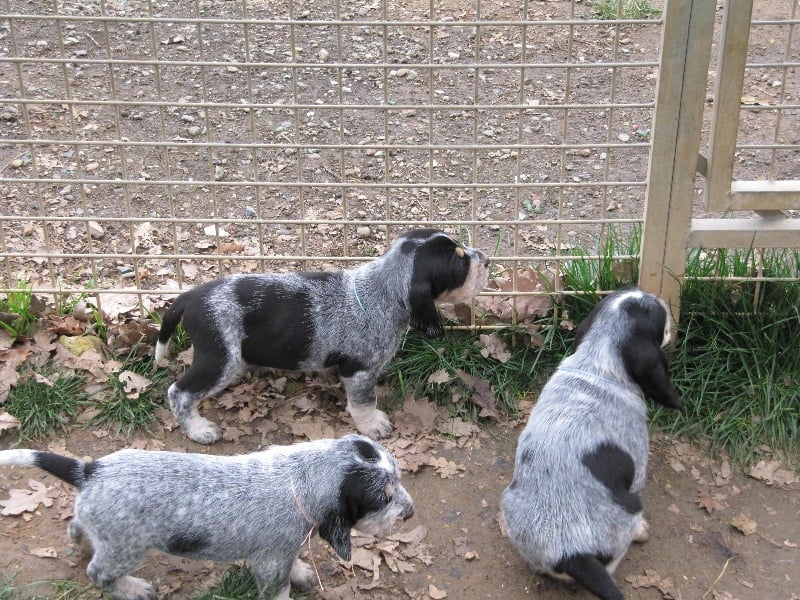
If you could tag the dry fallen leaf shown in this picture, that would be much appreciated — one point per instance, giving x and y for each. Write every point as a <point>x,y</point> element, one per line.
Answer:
<point>482,395</point>
<point>708,502</point>
<point>770,472</point>
<point>22,500</point>
<point>435,593</point>
<point>133,383</point>
<point>415,536</point>
<point>494,346</point>
<point>7,421</point>
<point>744,524</point>
<point>445,468</point>
<point>417,416</point>
<point>439,377</point>
<point>651,578</point>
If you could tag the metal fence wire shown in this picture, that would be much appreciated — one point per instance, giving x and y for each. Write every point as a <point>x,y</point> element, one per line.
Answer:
<point>147,146</point>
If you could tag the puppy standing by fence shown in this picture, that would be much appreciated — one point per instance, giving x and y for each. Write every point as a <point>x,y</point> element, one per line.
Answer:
<point>573,505</point>
<point>351,320</point>
<point>260,507</point>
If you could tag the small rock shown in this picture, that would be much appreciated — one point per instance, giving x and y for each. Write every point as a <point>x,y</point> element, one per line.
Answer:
<point>214,230</point>
<point>249,212</point>
<point>79,344</point>
<point>219,173</point>
<point>194,131</point>
<point>95,230</point>
<point>81,312</point>
<point>9,113</point>
<point>585,152</point>
<point>623,137</point>
<point>323,54</point>
<point>28,229</point>
<point>17,163</point>
<point>363,231</point>
<point>93,166</point>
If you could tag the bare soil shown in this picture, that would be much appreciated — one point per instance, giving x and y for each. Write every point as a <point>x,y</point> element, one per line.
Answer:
<point>715,532</point>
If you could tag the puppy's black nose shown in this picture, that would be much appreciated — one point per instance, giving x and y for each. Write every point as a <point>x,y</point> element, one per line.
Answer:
<point>409,513</point>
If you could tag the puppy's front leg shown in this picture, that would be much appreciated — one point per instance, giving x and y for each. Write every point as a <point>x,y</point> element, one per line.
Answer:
<point>362,405</point>
<point>272,577</point>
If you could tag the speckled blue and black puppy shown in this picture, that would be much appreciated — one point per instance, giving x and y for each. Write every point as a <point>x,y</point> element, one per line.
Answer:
<point>259,507</point>
<point>573,506</point>
<point>351,320</point>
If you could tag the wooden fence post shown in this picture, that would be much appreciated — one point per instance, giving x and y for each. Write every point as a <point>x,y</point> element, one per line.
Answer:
<point>680,100</point>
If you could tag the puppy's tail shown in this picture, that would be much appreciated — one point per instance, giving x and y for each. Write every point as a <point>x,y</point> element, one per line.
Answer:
<point>169,323</point>
<point>75,472</point>
<point>587,570</point>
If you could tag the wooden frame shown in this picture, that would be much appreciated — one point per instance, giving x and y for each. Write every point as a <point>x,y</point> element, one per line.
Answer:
<point>680,100</point>
<point>675,160</point>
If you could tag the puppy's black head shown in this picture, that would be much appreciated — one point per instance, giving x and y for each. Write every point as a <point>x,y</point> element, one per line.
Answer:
<point>443,271</point>
<point>366,487</point>
<point>636,325</point>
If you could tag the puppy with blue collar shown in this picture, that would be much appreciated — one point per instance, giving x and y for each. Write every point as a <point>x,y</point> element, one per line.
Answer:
<point>573,506</point>
<point>352,321</point>
<point>260,507</point>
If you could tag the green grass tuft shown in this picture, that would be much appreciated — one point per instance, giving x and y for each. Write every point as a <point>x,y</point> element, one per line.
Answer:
<point>623,9</point>
<point>617,266</point>
<point>43,408</point>
<point>736,362</point>
<point>238,583</point>
<point>128,414</point>
<point>62,590</point>
<point>525,370</point>
<point>18,304</point>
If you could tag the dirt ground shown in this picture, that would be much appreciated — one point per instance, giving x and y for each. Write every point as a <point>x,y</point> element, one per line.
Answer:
<point>715,532</point>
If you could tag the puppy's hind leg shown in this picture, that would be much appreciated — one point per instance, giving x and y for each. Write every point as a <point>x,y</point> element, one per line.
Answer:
<point>78,537</point>
<point>109,570</point>
<point>641,530</point>
<point>362,405</point>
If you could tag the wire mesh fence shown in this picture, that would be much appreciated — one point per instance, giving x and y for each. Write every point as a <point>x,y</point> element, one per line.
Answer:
<point>147,146</point>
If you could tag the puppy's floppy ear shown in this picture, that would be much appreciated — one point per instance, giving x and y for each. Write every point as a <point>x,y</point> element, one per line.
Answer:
<point>647,365</point>
<point>440,265</point>
<point>361,492</point>
<point>424,315</point>
<point>642,354</point>
<point>336,532</point>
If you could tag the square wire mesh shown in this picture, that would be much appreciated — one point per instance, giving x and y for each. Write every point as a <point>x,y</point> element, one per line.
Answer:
<point>149,146</point>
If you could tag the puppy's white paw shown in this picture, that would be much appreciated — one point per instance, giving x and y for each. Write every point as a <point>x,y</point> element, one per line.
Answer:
<point>371,422</point>
<point>202,430</point>
<point>642,532</point>
<point>302,575</point>
<point>132,588</point>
